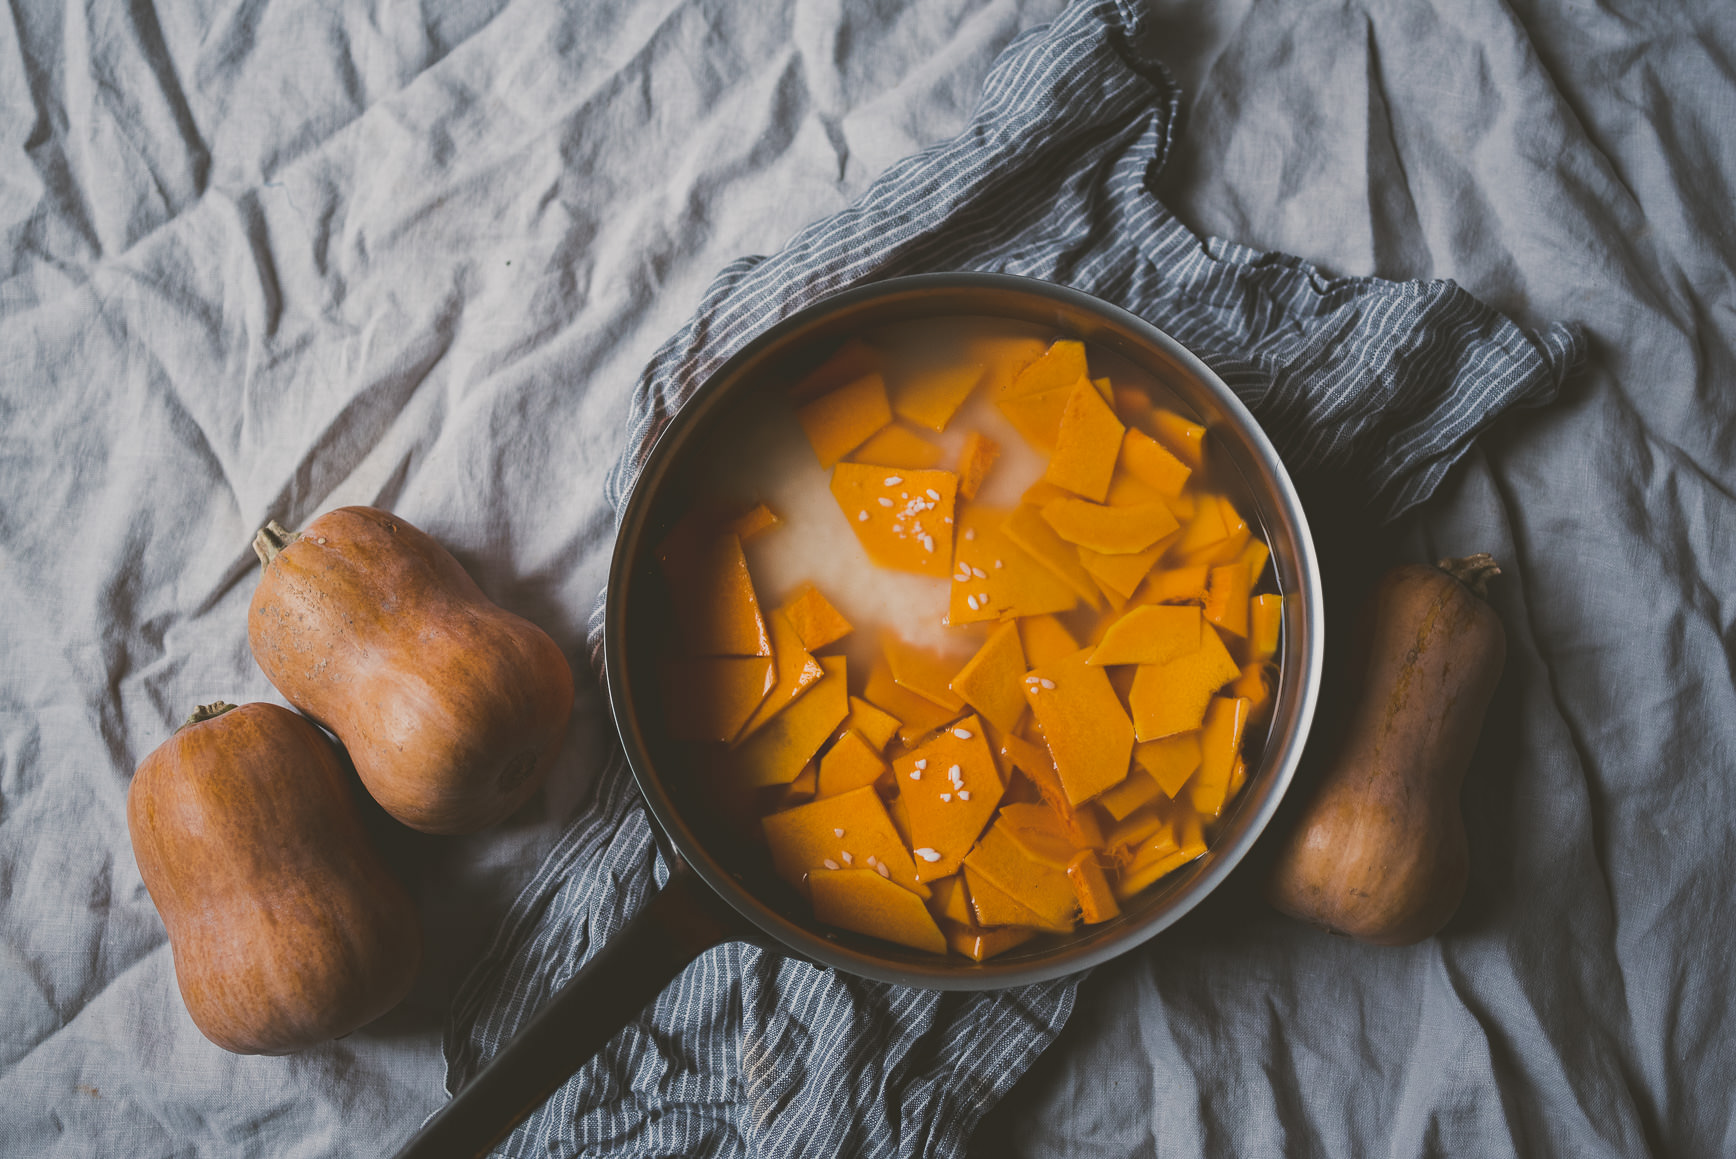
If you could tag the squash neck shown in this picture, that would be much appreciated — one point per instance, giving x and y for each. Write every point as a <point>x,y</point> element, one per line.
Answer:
<point>272,538</point>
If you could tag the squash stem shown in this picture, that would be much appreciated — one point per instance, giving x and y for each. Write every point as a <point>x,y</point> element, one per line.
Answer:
<point>272,538</point>
<point>207,712</point>
<point>1474,571</point>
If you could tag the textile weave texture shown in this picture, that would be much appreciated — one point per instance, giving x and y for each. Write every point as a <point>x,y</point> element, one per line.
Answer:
<point>1381,383</point>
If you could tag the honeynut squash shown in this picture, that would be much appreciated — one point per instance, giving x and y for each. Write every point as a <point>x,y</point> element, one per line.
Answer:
<point>286,926</point>
<point>451,707</point>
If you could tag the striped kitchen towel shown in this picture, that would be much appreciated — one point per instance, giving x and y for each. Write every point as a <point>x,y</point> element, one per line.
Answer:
<point>1383,383</point>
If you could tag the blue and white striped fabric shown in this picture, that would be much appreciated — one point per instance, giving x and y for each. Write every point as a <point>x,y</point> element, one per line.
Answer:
<point>1381,383</point>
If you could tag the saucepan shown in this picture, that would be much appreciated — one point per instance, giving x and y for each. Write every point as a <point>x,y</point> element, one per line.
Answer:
<point>715,893</point>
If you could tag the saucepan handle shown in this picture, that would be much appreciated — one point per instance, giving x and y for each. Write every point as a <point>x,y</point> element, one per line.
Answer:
<point>683,920</point>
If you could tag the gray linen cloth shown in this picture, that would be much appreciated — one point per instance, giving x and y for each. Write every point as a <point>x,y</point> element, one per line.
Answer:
<point>261,258</point>
<point>749,1053</point>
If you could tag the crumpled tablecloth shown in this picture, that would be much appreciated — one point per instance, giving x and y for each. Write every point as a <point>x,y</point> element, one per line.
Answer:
<point>1379,385</point>
<point>262,259</point>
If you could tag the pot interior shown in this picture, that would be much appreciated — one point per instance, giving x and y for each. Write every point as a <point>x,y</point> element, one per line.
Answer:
<point>640,629</point>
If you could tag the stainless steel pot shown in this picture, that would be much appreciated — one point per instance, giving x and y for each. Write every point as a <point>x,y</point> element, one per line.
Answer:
<point>719,893</point>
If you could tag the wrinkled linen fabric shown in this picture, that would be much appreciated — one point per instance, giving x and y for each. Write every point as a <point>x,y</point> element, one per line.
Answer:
<point>1564,162</point>
<point>265,259</point>
<point>1376,383</point>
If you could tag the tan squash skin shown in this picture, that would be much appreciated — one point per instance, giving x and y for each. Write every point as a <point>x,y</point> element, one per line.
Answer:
<point>286,926</point>
<point>1380,853</point>
<point>452,708</point>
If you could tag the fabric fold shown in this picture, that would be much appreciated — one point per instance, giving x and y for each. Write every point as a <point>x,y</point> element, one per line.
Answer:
<point>1378,382</point>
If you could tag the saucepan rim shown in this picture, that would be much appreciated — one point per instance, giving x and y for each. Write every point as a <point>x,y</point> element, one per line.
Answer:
<point>1295,699</point>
